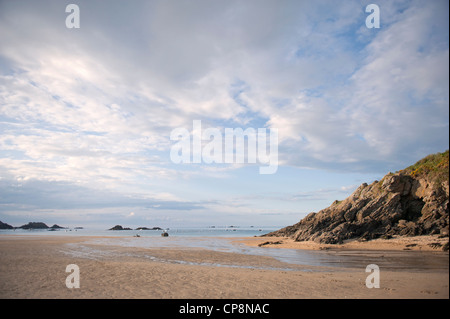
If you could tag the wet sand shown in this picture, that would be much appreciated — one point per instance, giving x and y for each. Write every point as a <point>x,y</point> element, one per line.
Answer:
<point>417,243</point>
<point>35,267</point>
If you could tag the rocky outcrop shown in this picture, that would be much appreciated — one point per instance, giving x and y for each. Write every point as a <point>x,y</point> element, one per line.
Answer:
<point>414,201</point>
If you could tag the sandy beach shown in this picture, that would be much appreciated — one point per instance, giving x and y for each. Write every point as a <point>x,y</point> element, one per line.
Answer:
<point>35,267</point>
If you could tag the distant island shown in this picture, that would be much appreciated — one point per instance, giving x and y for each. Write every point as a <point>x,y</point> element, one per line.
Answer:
<point>55,226</point>
<point>5,226</point>
<point>145,228</point>
<point>34,225</point>
<point>119,227</point>
<point>410,202</point>
<point>31,225</point>
<point>41,225</point>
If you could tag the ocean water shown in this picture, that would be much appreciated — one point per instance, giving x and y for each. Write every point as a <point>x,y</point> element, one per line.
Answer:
<point>222,239</point>
<point>337,259</point>
<point>175,231</point>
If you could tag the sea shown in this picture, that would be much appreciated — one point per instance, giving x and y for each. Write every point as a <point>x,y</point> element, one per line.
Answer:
<point>224,239</point>
<point>215,231</point>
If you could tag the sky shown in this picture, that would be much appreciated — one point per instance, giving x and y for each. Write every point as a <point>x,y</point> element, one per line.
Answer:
<point>86,114</point>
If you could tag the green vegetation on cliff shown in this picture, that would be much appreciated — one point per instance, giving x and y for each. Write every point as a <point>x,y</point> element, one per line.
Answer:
<point>435,166</point>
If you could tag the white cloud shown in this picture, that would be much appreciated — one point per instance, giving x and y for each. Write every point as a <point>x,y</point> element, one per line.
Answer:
<point>400,95</point>
<point>95,106</point>
<point>294,59</point>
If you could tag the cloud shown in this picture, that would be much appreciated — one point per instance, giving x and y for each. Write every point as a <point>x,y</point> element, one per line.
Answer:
<point>400,94</point>
<point>363,121</point>
<point>304,68</point>
<point>68,204</point>
<point>93,108</point>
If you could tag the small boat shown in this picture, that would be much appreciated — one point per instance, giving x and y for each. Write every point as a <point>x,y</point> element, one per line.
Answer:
<point>165,233</point>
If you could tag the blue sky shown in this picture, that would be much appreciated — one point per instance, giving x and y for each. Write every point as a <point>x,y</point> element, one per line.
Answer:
<point>86,114</point>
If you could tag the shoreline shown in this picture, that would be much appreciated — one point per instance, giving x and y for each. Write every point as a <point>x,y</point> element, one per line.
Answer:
<point>429,243</point>
<point>35,267</point>
<point>401,243</point>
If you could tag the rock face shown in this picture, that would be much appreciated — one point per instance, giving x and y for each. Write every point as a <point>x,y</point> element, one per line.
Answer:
<point>414,201</point>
